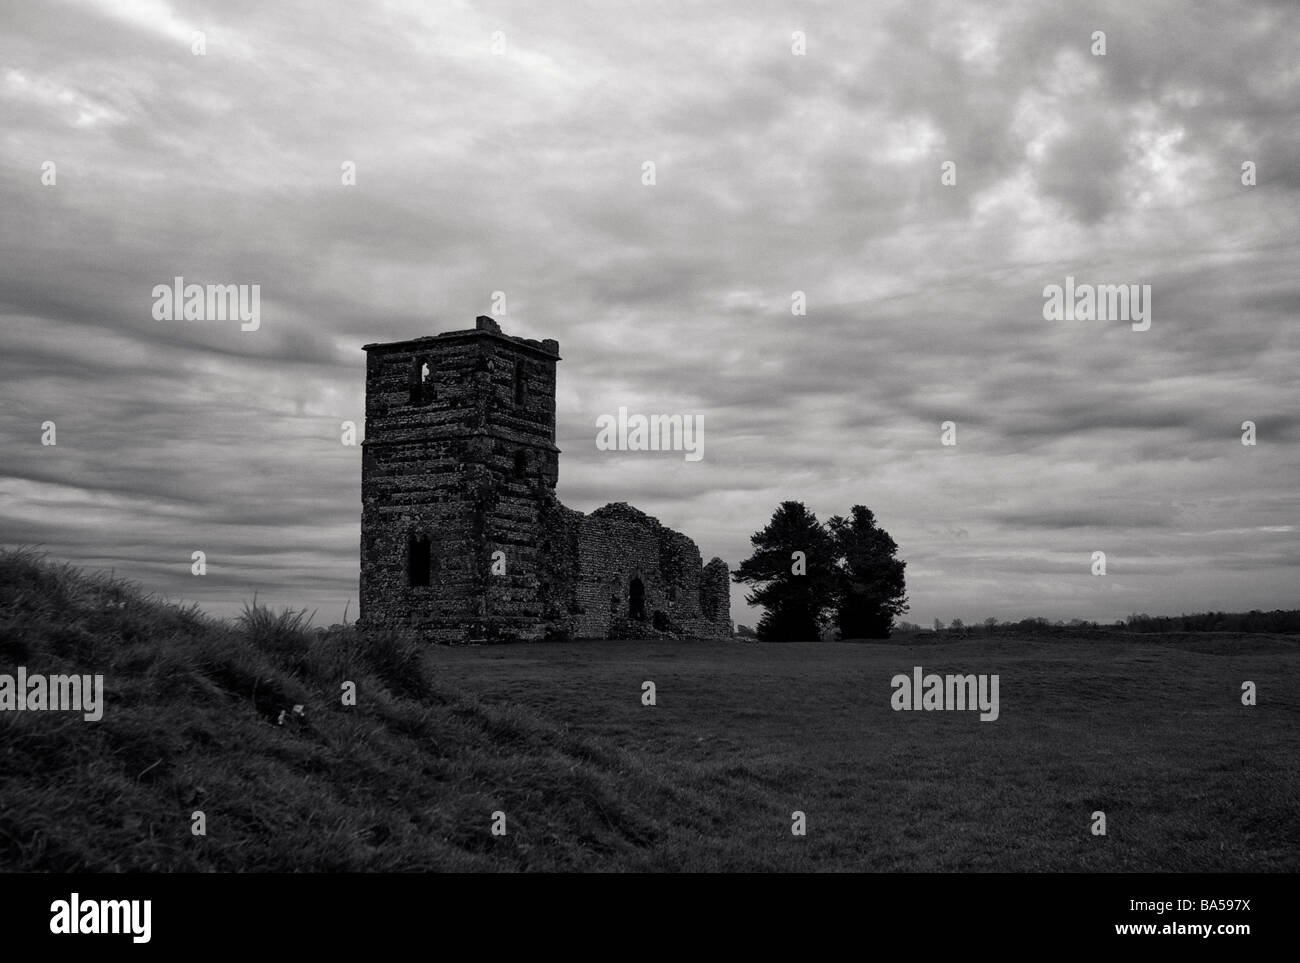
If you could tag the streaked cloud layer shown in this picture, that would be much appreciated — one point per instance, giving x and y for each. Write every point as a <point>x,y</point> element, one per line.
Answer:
<point>521,173</point>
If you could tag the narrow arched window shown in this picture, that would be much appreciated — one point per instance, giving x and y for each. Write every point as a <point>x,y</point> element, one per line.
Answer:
<point>419,559</point>
<point>636,599</point>
<point>521,464</point>
<point>519,383</point>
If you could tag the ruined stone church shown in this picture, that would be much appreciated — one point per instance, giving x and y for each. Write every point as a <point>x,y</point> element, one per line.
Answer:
<point>462,536</point>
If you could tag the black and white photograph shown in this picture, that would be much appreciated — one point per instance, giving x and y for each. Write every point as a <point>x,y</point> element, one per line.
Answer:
<point>647,437</point>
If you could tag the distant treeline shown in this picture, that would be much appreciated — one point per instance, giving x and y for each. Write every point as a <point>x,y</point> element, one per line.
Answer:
<point>1280,621</point>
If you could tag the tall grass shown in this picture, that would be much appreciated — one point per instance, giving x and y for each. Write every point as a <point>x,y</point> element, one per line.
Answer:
<point>244,721</point>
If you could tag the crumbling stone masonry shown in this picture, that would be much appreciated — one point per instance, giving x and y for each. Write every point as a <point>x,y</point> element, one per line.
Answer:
<point>462,537</point>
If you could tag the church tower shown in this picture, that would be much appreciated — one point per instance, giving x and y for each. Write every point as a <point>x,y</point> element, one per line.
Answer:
<point>458,469</point>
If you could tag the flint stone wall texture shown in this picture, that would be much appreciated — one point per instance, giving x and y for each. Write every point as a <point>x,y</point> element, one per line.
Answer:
<point>459,456</point>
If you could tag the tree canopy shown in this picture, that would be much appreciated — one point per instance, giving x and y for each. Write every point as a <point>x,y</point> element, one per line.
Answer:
<point>807,574</point>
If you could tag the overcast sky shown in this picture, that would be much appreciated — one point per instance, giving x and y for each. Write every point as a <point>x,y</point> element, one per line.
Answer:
<point>521,171</point>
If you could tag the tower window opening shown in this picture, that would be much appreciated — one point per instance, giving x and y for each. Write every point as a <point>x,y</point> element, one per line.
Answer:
<point>521,464</point>
<point>422,390</point>
<point>418,561</point>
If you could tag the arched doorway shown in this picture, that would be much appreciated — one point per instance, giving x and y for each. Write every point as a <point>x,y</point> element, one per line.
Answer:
<point>636,600</point>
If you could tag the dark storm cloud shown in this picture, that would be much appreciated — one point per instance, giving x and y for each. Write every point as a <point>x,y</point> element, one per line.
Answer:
<point>775,173</point>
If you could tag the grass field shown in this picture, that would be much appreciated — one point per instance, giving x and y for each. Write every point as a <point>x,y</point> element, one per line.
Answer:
<point>1150,731</point>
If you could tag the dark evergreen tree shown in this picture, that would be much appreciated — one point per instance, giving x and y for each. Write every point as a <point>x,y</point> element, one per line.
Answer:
<point>871,588</point>
<point>797,591</point>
